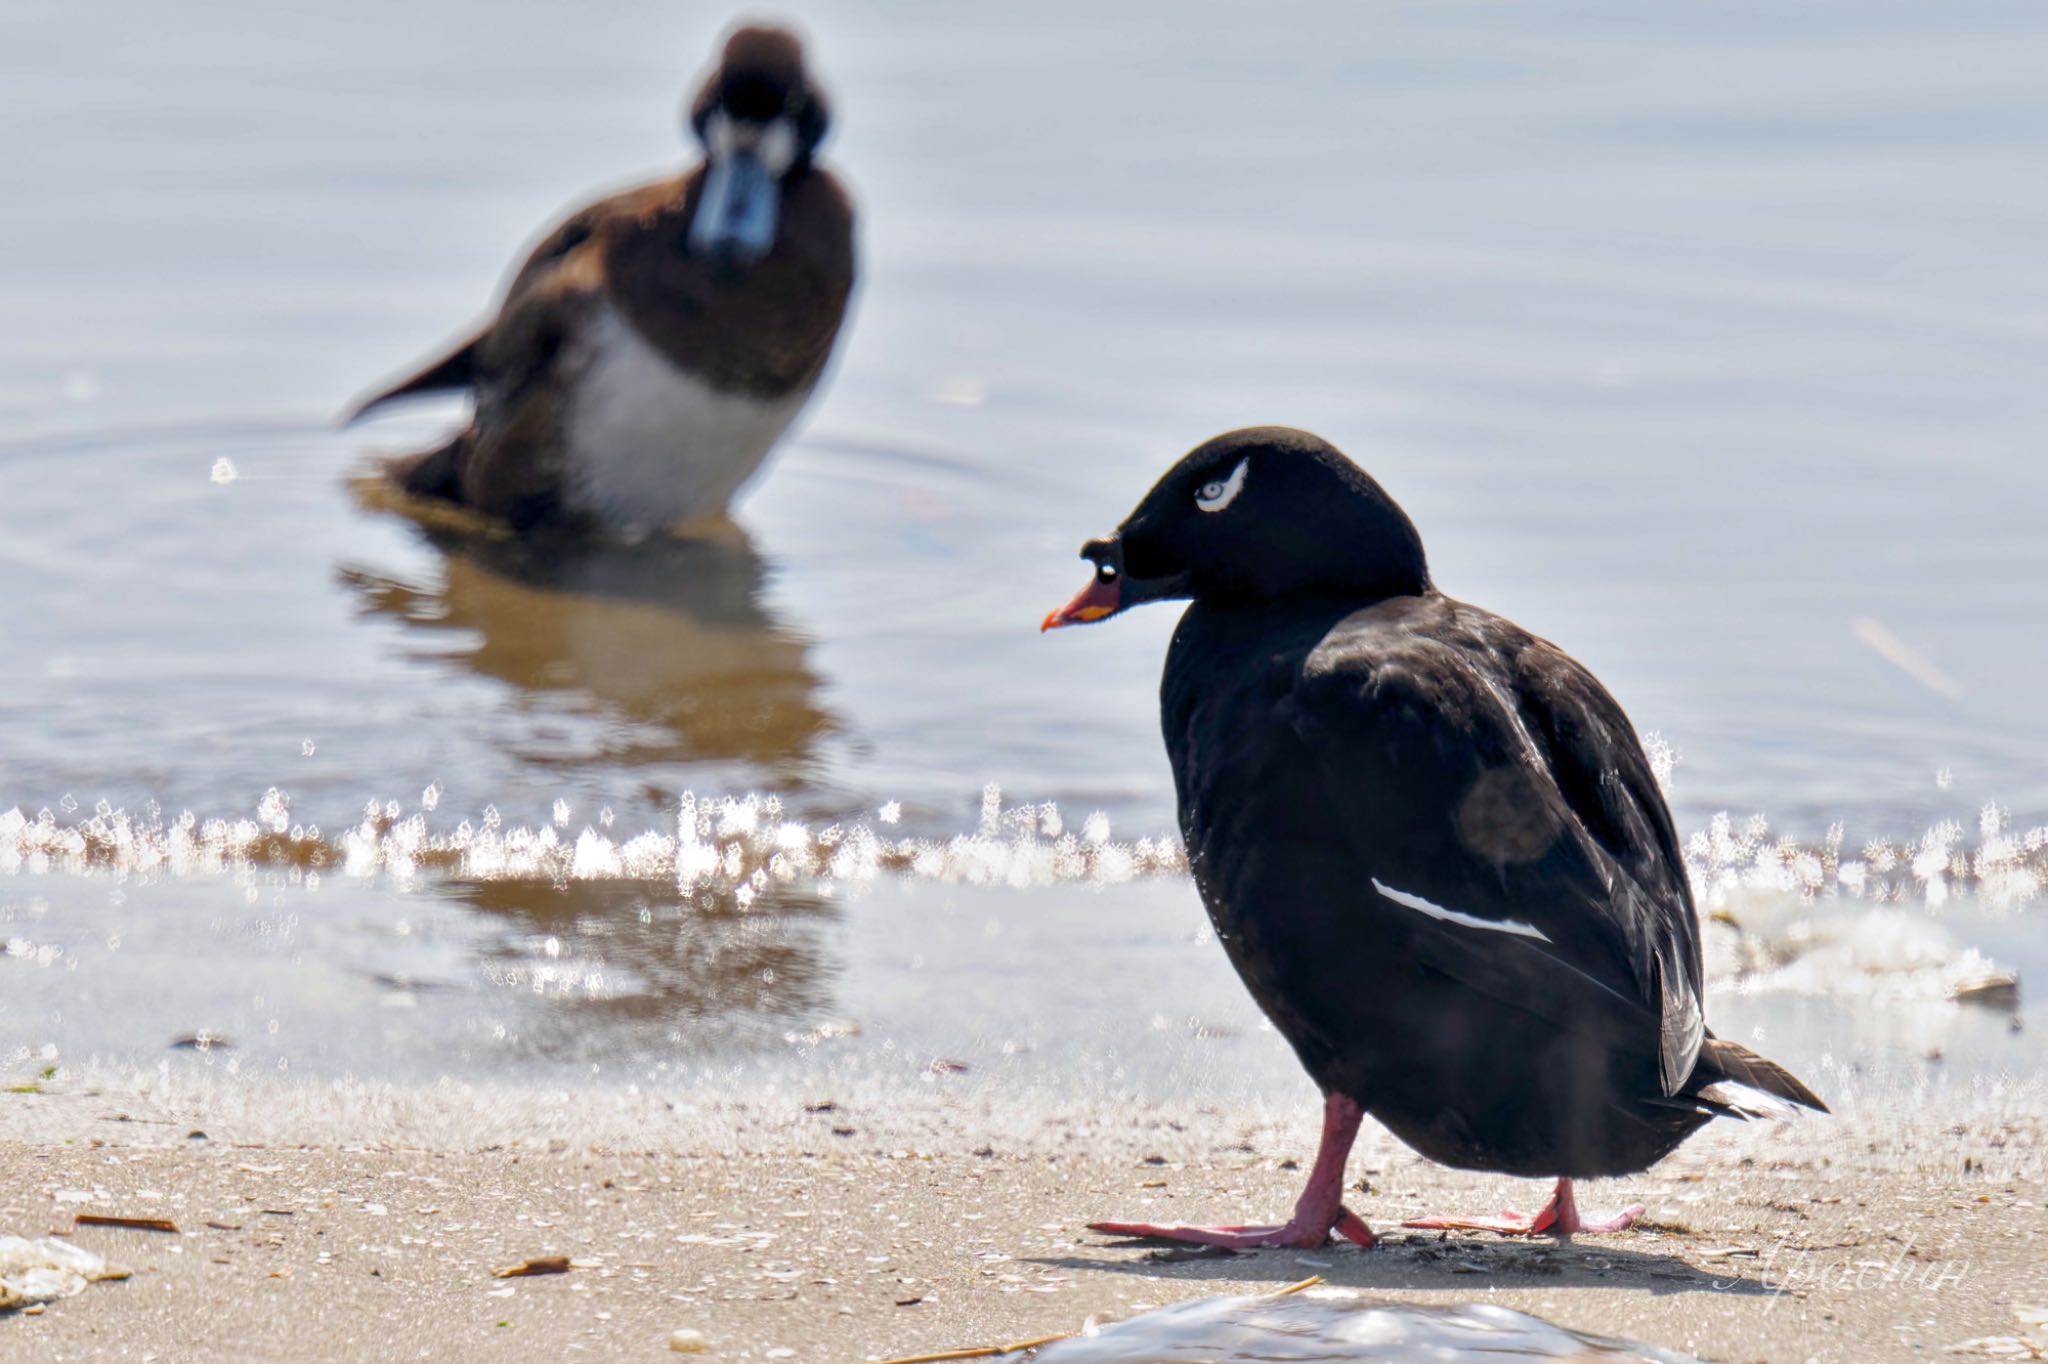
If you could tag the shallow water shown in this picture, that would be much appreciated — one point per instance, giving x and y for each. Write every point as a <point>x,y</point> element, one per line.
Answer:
<point>1301,1328</point>
<point>969,971</point>
<point>1705,342</point>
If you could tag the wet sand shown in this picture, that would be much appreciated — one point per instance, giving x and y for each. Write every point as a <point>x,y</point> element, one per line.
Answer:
<point>781,1229</point>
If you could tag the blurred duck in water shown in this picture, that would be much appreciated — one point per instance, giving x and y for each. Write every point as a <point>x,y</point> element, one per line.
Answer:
<point>655,346</point>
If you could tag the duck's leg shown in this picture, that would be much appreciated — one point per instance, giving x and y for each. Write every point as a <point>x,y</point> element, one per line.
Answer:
<point>1558,1217</point>
<point>1318,1212</point>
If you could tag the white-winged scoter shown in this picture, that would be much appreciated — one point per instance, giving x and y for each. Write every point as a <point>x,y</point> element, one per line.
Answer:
<point>656,344</point>
<point>1430,842</point>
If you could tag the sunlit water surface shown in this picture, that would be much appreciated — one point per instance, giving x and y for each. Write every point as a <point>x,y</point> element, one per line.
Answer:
<point>1706,342</point>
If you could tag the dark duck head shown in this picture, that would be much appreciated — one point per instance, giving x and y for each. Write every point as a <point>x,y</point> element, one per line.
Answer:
<point>760,118</point>
<point>1252,516</point>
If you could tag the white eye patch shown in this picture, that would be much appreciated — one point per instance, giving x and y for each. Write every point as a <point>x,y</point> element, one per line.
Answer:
<point>777,147</point>
<point>720,136</point>
<point>1219,493</point>
<point>772,143</point>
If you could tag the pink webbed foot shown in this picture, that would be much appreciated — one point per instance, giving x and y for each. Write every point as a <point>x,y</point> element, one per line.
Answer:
<point>1319,1212</point>
<point>1558,1217</point>
<point>1301,1235</point>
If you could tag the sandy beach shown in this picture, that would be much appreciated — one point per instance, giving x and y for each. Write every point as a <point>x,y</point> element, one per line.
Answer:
<point>791,1230</point>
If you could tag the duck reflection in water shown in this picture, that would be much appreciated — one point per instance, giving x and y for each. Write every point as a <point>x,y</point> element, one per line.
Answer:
<point>668,634</point>
<point>627,970</point>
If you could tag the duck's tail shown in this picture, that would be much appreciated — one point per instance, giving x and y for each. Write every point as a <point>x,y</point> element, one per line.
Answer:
<point>456,369</point>
<point>1727,1069</point>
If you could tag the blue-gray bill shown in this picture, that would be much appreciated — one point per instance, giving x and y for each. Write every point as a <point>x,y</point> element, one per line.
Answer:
<point>736,216</point>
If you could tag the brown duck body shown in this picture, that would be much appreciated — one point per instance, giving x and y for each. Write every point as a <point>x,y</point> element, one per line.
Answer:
<point>629,383</point>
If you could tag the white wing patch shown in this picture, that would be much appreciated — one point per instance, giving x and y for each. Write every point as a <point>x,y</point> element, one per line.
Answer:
<point>1454,916</point>
<point>1219,493</point>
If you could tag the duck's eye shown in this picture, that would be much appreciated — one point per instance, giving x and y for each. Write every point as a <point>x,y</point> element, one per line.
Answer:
<point>1105,573</point>
<point>1219,493</point>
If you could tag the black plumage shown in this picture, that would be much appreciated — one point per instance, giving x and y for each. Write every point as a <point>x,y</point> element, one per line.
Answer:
<point>1431,842</point>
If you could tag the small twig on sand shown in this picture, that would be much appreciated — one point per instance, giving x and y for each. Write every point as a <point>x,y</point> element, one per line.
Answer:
<point>537,1264</point>
<point>95,1219</point>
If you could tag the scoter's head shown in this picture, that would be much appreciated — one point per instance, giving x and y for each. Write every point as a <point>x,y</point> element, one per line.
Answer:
<point>1254,516</point>
<point>760,118</point>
